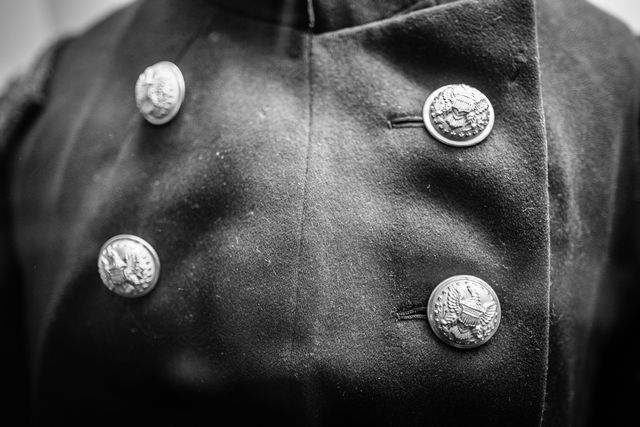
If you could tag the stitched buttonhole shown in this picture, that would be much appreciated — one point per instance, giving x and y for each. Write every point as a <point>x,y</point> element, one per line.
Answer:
<point>417,313</point>
<point>405,122</point>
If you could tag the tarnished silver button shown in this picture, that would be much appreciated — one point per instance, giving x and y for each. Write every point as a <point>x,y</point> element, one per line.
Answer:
<point>160,92</point>
<point>458,115</point>
<point>128,265</point>
<point>464,311</point>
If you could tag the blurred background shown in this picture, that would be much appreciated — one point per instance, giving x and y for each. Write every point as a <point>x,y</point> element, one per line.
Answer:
<point>27,26</point>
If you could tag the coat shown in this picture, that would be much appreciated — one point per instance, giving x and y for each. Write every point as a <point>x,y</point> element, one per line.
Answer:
<point>299,207</point>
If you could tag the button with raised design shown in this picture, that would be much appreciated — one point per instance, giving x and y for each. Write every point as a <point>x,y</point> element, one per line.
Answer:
<point>458,115</point>
<point>160,92</point>
<point>464,311</point>
<point>128,265</point>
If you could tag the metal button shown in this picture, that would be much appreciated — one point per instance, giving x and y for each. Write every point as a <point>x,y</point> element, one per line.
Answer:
<point>464,311</point>
<point>128,265</point>
<point>458,115</point>
<point>160,92</point>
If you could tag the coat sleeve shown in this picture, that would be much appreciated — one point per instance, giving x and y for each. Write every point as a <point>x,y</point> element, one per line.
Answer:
<point>20,105</point>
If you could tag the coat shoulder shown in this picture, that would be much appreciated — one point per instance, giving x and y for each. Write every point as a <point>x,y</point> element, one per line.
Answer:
<point>25,95</point>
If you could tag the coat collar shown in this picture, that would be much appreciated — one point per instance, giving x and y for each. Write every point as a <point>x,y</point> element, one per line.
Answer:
<point>323,15</point>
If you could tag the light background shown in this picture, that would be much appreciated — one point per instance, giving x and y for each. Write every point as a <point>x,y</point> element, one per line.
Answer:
<point>26,26</point>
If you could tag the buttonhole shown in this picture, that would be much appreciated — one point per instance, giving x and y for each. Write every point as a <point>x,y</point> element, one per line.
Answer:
<point>405,122</point>
<point>417,313</point>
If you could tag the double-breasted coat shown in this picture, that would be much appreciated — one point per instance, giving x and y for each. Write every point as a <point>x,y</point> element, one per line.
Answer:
<point>300,208</point>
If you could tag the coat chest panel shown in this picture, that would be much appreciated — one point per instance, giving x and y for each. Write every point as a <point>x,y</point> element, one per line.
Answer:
<point>290,220</point>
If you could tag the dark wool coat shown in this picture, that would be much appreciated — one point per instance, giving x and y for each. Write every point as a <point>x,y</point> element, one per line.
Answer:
<point>297,204</point>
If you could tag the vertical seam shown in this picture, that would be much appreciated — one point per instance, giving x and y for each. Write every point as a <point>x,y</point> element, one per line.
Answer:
<point>305,186</point>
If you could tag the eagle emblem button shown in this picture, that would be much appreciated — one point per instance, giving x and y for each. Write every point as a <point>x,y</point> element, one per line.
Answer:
<point>464,311</point>
<point>458,115</point>
<point>159,92</point>
<point>128,266</point>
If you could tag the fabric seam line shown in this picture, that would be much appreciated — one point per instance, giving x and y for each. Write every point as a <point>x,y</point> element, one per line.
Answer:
<point>305,191</point>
